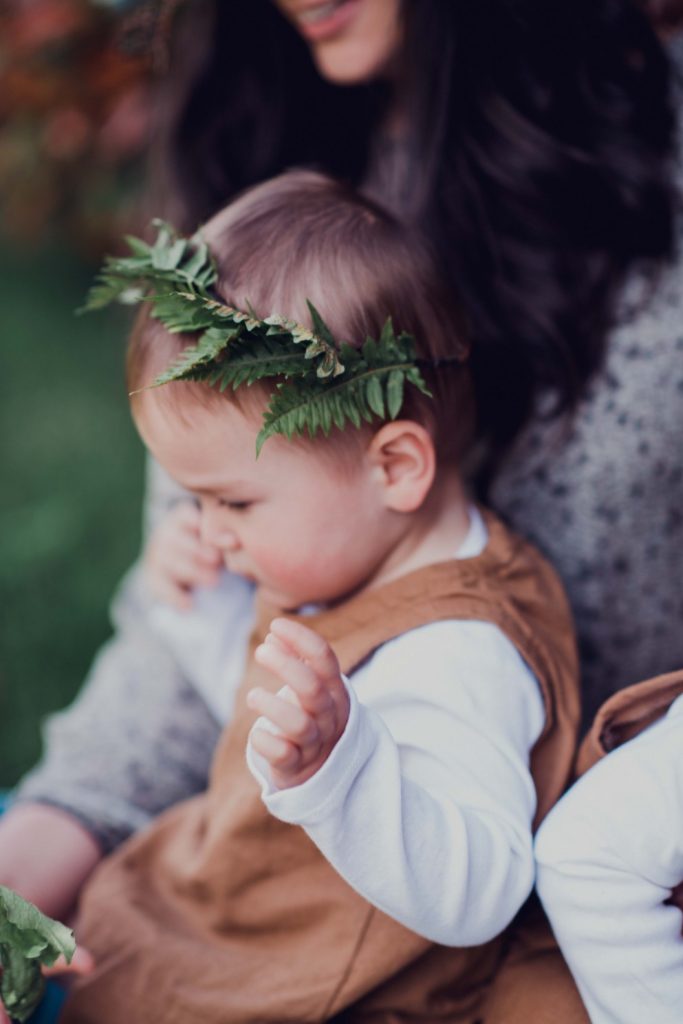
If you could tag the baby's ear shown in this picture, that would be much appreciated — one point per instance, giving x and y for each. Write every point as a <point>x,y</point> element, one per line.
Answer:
<point>404,462</point>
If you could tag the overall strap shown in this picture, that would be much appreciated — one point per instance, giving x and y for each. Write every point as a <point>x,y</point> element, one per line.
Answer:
<point>626,714</point>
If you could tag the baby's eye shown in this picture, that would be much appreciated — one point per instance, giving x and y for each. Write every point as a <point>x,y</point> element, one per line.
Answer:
<point>234,506</point>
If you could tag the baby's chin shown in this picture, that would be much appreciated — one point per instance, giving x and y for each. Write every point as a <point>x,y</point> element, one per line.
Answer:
<point>268,592</point>
<point>285,602</point>
<point>302,601</point>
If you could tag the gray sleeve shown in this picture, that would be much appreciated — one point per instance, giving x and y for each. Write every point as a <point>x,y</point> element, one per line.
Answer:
<point>137,739</point>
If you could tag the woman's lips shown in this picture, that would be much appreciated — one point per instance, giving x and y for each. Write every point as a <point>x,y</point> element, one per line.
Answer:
<point>323,20</point>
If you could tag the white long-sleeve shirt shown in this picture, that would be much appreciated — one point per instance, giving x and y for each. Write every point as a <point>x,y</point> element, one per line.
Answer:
<point>426,803</point>
<point>609,855</point>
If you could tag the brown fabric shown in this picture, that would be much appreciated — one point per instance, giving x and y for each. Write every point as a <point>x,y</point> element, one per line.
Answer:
<point>626,714</point>
<point>221,914</point>
<point>534,984</point>
<point>676,900</point>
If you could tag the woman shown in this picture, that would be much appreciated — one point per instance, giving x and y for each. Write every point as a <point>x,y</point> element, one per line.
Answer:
<point>533,142</point>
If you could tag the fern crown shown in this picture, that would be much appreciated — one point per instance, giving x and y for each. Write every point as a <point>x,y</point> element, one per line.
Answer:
<point>319,384</point>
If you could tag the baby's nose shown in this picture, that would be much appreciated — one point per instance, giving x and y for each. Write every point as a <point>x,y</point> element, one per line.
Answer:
<point>228,541</point>
<point>215,533</point>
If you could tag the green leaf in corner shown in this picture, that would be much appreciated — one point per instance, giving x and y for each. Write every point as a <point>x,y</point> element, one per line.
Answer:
<point>28,940</point>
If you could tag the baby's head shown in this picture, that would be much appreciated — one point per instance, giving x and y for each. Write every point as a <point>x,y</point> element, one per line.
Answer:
<point>312,519</point>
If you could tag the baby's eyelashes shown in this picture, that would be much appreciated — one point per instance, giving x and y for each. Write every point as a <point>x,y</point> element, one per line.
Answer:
<point>234,506</point>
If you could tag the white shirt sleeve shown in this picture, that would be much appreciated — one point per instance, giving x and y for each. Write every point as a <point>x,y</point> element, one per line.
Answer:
<point>608,856</point>
<point>425,804</point>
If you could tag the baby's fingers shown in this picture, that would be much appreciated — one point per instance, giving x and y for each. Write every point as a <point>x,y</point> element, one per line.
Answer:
<point>290,719</point>
<point>309,689</point>
<point>192,571</point>
<point>280,754</point>
<point>191,548</point>
<point>309,646</point>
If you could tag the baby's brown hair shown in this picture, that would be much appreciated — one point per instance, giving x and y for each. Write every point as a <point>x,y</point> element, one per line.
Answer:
<point>303,236</point>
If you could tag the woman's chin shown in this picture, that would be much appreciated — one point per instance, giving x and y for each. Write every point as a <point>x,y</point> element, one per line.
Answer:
<point>352,41</point>
<point>343,63</point>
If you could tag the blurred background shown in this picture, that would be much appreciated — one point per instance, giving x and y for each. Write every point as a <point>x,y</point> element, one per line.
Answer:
<point>75,79</point>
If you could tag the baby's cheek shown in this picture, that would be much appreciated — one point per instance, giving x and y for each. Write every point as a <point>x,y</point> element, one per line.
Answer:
<point>279,561</point>
<point>298,567</point>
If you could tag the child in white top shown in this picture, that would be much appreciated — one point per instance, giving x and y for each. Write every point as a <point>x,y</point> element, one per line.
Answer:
<point>609,855</point>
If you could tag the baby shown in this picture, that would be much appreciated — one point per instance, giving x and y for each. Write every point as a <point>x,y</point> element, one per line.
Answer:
<point>402,675</point>
<point>611,859</point>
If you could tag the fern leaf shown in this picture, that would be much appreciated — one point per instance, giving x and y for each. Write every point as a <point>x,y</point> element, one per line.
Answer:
<point>395,384</point>
<point>105,291</point>
<point>375,397</point>
<point>211,344</point>
<point>258,361</point>
<point>414,377</point>
<point>180,316</point>
<point>138,246</point>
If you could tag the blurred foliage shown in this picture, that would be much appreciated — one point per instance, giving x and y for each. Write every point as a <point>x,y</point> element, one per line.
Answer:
<point>75,82</point>
<point>70,501</point>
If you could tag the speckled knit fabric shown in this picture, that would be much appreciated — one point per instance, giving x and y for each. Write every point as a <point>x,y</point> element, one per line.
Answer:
<point>602,497</point>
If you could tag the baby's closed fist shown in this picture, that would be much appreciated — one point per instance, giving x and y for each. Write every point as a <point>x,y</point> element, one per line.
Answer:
<point>176,560</point>
<point>309,713</point>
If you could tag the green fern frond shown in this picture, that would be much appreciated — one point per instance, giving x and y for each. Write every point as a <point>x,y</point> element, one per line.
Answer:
<point>171,264</point>
<point>200,357</point>
<point>321,384</point>
<point>259,360</point>
<point>319,341</point>
<point>307,406</point>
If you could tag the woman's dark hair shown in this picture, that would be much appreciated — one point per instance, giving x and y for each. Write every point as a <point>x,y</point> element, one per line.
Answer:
<point>665,15</point>
<point>544,130</point>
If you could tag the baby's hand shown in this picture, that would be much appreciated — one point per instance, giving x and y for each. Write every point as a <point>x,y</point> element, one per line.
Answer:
<point>311,711</point>
<point>176,560</point>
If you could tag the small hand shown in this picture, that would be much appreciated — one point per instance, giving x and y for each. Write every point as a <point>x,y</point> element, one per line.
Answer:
<point>310,712</point>
<point>176,560</point>
<point>81,963</point>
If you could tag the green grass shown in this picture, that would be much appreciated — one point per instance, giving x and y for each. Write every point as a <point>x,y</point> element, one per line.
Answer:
<point>70,490</point>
